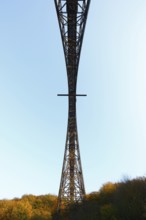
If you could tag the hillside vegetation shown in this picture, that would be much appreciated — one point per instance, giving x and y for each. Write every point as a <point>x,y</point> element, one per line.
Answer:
<point>29,207</point>
<point>125,200</point>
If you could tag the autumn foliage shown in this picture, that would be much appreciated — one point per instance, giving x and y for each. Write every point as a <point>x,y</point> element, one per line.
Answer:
<point>29,207</point>
<point>125,200</point>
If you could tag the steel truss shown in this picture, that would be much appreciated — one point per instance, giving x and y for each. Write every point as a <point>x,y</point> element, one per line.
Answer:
<point>72,16</point>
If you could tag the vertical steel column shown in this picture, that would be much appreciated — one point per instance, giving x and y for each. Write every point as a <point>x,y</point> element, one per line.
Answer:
<point>72,15</point>
<point>72,72</point>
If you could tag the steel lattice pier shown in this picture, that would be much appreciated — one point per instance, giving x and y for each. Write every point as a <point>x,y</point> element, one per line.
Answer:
<point>72,16</point>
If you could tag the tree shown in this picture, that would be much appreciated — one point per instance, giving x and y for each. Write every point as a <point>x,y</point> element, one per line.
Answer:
<point>22,210</point>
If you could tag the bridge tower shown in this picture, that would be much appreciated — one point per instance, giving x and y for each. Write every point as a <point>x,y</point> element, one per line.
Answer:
<point>72,16</point>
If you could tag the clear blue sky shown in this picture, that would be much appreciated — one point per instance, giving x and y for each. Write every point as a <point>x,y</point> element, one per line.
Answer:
<point>33,120</point>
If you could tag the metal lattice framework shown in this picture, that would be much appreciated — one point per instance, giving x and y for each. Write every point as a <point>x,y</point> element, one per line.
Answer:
<point>72,16</point>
